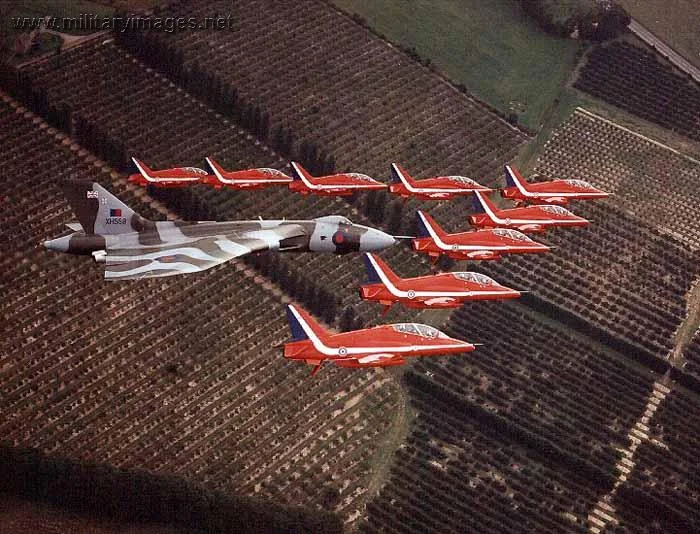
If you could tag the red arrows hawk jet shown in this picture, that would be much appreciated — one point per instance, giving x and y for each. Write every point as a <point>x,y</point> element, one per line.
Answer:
<point>474,245</point>
<point>444,290</point>
<point>553,192</point>
<point>246,179</point>
<point>332,185</point>
<point>533,219</point>
<point>178,177</point>
<point>438,188</point>
<point>380,346</point>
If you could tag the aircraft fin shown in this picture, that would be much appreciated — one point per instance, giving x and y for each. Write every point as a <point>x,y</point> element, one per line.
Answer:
<point>99,211</point>
<point>399,175</point>
<point>299,173</point>
<point>218,170</point>
<point>427,227</point>
<point>145,171</point>
<point>481,204</point>
<point>302,325</point>
<point>514,179</point>
<point>377,269</point>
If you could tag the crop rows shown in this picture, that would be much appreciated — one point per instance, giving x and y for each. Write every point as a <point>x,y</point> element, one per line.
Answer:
<point>635,80</point>
<point>662,493</point>
<point>179,376</point>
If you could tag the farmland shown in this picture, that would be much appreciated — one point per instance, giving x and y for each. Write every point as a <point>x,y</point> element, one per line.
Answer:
<point>513,65</point>
<point>183,376</point>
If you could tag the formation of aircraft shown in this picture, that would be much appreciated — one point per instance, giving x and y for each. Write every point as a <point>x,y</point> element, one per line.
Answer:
<point>332,185</point>
<point>533,219</point>
<point>379,346</point>
<point>443,290</point>
<point>553,192</point>
<point>488,244</point>
<point>438,188</point>
<point>132,247</point>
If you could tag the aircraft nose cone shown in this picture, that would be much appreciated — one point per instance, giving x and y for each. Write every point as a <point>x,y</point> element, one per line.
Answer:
<point>376,240</point>
<point>59,245</point>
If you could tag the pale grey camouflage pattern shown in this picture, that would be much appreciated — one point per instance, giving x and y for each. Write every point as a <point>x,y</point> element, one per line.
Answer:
<point>132,247</point>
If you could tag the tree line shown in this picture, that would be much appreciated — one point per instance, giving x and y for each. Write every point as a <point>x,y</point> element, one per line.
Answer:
<point>139,496</point>
<point>596,20</point>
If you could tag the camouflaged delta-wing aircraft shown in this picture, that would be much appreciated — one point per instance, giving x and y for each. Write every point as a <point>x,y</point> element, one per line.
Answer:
<point>132,247</point>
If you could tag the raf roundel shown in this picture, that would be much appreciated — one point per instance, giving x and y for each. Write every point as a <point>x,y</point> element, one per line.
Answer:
<point>342,351</point>
<point>411,294</point>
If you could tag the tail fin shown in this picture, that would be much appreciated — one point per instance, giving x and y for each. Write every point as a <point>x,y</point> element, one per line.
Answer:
<point>378,272</point>
<point>427,227</point>
<point>145,171</point>
<point>399,175</point>
<point>303,326</point>
<point>513,179</point>
<point>482,204</point>
<point>99,211</point>
<point>300,173</point>
<point>218,169</point>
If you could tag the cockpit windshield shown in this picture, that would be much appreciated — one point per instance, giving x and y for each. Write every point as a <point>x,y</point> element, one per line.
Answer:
<point>579,183</point>
<point>416,329</point>
<point>196,170</point>
<point>511,234</point>
<point>461,180</point>
<point>556,209</point>
<point>338,219</point>
<point>477,278</point>
<point>359,176</point>
<point>271,172</point>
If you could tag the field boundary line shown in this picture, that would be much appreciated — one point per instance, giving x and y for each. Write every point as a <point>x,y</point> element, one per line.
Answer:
<point>593,115</point>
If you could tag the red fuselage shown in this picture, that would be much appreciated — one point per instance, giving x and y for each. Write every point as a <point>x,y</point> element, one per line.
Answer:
<point>444,290</point>
<point>336,185</point>
<point>179,177</point>
<point>376,347</point>
<point>476,245</point>
<point>438,188</point>
<point>559,192</point>
<point>533,219</point>
<point>248,179</point>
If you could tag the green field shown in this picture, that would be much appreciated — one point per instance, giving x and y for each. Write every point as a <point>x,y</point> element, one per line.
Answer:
<point>490,46</point>
<point>677,22</point>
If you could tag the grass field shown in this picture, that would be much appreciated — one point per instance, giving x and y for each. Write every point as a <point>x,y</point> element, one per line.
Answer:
<point>491,47</point>
<point>675,21</point>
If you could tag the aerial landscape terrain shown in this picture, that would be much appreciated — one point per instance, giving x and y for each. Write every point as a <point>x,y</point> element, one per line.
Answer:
<point>166,404</point>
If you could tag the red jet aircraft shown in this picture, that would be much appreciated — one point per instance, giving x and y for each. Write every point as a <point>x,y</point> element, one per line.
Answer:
<point>526,219</point>
<point>178,177</point>
<point>247,179</point>
<point>438,188</point>
<point>331,185</point>
<point>552,192</point>
<point>444,290</point>
<point>473,245</point>
<point>380,346</point>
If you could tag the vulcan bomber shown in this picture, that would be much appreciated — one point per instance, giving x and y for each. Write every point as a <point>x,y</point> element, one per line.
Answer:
<point>133,247</point>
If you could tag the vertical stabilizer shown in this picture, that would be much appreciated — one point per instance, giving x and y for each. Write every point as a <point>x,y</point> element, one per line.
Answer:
<point>99,211</point>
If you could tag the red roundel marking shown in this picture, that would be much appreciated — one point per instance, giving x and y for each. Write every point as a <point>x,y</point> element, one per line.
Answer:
<point>338,238</point>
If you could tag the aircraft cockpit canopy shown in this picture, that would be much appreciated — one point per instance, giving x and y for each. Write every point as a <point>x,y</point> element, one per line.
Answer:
<point>416,329</point>
<point>272,172</point>
<point>556,209</point>
<point>461,180</point>
<point>477,278</point>
<point>579,183</point>
<point>359,176</point>
<point>511,234</point>
<point>338,219</point>
<point>196,170</point>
